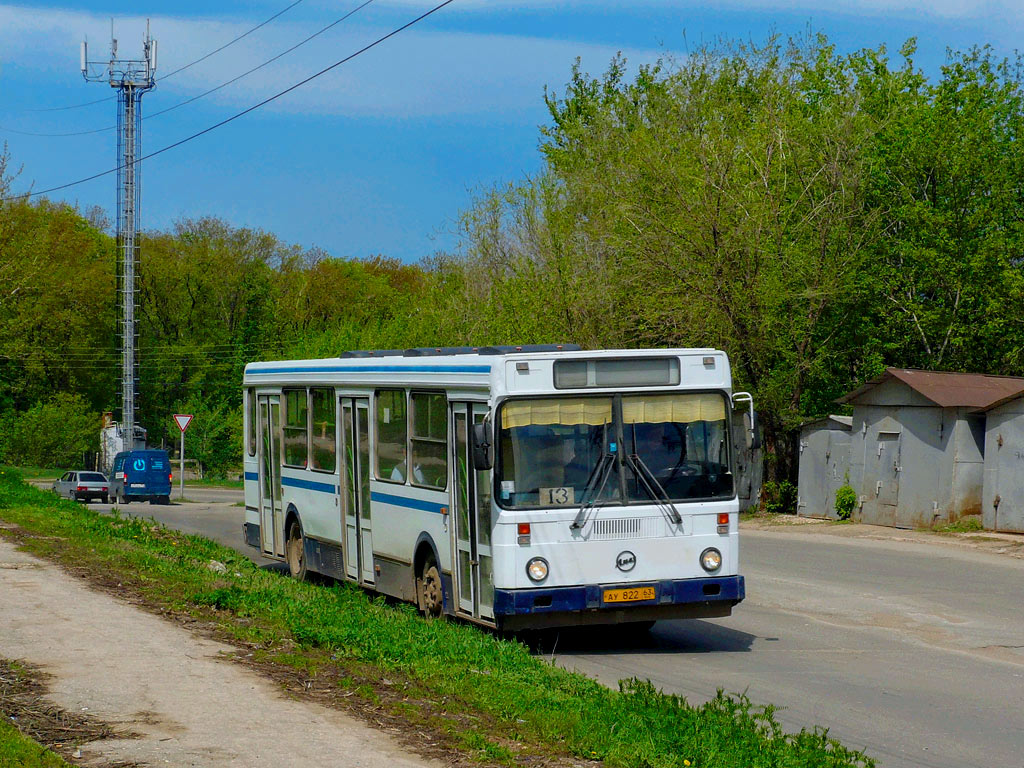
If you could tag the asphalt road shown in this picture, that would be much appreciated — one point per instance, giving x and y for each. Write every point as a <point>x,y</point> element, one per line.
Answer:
<point>912,651</point>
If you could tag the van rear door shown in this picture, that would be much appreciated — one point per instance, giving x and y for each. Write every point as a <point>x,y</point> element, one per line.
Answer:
<point>158,473</point>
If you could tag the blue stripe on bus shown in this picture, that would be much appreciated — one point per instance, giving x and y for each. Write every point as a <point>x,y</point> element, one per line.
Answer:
<point>309,485</point>
<point>252,475</point>
<point>405,501</point>
<point>374,369</point>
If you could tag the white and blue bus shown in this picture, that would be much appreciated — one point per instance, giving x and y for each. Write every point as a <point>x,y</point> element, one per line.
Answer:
<point>517,487</point>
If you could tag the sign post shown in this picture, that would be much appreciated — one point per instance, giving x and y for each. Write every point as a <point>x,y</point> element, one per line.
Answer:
<point>182,420</point>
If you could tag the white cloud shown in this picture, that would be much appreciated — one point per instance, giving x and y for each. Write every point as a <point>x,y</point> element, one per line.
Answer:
<point>421,72</point>
<point>959,9</point>
<point>945,8</point>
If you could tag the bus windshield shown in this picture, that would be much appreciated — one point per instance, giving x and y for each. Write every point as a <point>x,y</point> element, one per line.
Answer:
<point>550,450</point>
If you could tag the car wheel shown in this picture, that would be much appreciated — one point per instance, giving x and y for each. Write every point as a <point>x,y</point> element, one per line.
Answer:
<point>164,500</point>
<point>105,499</point>
<point>295,551</point>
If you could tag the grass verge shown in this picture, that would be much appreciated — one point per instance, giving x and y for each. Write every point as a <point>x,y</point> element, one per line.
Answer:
<point>966,524</point>
<point>441,683</point>
<point>213,482</point>
<point>18,751</point>
<point>34,473</point>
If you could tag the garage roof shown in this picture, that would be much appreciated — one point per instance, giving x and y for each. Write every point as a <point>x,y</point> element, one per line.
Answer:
<point>948,390</point>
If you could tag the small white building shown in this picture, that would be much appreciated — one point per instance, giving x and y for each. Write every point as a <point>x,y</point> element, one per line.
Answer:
<point>1002,498</point>
<point>824,465</point>
<point>918,443</point>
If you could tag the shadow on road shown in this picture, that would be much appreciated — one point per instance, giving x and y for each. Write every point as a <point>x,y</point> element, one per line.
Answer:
<point>684,636</point>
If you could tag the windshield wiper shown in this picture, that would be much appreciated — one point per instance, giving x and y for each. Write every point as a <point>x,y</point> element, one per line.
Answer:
<point>589,498</point>
<point>643,473</point>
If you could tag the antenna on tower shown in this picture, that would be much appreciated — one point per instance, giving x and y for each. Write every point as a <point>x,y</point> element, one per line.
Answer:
<point>131,78</point>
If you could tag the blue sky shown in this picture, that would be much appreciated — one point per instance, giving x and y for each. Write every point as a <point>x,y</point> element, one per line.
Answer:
<point>380,155</point>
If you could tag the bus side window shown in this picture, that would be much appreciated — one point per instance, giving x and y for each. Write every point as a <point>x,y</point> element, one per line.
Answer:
<point>295,418</point>
<point>324,438</point>
<point>251,423</point>
<point>429,439</point>
<point>392,433</point>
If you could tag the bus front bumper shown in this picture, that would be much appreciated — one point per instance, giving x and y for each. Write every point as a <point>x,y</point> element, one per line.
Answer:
<point>566,606</point>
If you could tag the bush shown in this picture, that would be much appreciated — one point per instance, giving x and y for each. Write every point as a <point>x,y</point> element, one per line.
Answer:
<point>846,501</point>
<point>778,497</point>
<point>52,434</point>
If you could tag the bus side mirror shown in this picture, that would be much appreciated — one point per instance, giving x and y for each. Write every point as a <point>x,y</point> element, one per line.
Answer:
<point>750,428</point>
<point>753,434</point>
<point>483,454</point>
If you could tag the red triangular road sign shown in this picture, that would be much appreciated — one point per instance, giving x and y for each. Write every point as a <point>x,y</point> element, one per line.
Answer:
<point>183,419</point>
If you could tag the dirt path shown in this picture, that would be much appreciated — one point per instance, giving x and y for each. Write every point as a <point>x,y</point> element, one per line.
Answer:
<point>189,706</point>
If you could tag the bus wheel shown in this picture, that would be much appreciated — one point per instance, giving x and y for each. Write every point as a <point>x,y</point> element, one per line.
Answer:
<point>295,552</point>
<point>431,596</point>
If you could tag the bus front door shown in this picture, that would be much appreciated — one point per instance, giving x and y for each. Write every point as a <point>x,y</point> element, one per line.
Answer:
<point>355,447</point>
<point>471,502</point>
<point>271,518</point>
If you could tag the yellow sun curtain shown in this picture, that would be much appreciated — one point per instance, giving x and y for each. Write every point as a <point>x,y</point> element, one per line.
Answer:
<point>639,409</point>
<point>593,411</point>
<point>680,409</point>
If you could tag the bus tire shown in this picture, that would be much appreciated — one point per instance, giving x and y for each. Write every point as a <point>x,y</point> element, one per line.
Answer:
<point>430,593</point>
<point>295,551</point>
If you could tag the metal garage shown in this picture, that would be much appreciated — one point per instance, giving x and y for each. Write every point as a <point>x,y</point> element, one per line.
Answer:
<point>917,444</point>
<point>824,465</point>
<point>1002,499</point>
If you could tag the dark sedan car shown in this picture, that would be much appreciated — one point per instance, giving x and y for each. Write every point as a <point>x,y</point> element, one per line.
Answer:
<point>82,486</point>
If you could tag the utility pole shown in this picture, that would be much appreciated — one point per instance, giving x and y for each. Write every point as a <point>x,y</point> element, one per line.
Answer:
<point>131,78</point>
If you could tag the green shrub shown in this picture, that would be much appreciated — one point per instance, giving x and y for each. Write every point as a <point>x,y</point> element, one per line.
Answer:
<point>778,497</point>
<point>846,500</point>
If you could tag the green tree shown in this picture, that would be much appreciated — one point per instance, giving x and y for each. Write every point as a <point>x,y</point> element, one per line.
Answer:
<point>214,436</point>
<point>57,433</point>
<point>56,302</point>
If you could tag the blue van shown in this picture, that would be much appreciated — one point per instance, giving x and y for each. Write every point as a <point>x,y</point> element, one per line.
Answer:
<point>141,476</point>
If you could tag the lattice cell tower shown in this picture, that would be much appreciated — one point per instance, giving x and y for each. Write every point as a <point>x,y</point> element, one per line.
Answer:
<point>131,78</point>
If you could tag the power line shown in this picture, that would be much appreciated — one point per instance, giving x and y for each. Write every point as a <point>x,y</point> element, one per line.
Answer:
<point>201,95</point>
<point>244,112</point>
<point>265,63</point>
<point>230,43</point>
<point>174,72</point>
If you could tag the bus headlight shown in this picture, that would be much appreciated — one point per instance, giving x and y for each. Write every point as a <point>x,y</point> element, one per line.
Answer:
<point>711,559</point>
<point>537,569</point>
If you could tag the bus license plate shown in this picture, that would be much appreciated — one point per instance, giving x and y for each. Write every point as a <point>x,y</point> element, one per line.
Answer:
<point>628,595</point>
